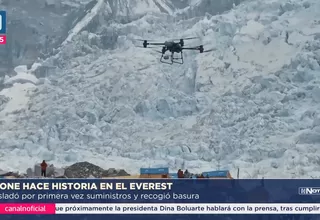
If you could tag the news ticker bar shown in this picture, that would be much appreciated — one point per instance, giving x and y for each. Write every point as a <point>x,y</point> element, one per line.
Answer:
<point>263,208</point>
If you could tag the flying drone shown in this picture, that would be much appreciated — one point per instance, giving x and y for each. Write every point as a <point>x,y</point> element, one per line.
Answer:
<point>173,47</point>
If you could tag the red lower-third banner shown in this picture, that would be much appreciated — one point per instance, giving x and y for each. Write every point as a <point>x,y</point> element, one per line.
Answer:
<point>25,209</point>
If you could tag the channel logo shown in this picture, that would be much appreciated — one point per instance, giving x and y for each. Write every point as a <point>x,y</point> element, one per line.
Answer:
<point>3,27</point>
<point>309,191</point>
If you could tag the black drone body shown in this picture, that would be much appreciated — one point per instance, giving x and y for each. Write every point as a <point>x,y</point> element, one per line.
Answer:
<point>174,47</point>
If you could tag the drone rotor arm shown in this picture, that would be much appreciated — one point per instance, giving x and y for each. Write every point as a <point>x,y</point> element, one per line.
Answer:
<point>156,44</point>
<point>200,48</point>
<point>190,48</point>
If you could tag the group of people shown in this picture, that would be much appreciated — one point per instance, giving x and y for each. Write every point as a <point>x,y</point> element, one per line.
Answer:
<point>187,174</point>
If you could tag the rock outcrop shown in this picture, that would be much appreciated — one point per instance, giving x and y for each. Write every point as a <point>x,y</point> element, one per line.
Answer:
<point>83,170</point>
<point>89,170</point>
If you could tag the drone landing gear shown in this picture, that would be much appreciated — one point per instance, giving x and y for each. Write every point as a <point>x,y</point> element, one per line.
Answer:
<point>177,58</point>
<point>173,60</point>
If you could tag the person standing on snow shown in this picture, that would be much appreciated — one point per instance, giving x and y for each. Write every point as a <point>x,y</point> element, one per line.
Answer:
<point>180,173</point>
<point>43,168</point>
<point>187,174</point>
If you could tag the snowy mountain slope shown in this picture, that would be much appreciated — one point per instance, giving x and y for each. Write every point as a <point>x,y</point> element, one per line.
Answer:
<point>43,25</point>
<point>200,7</point>
<point>84,21</point>
<point>252,103</point>
<point>118,9</point>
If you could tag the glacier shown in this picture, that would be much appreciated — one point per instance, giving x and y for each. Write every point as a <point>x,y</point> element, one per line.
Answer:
<point>252,103</point>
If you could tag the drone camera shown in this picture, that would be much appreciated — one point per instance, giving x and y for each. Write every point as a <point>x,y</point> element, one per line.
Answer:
<point>166,57</point>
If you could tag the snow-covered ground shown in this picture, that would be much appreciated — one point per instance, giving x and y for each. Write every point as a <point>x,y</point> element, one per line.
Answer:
<point>253,102</point>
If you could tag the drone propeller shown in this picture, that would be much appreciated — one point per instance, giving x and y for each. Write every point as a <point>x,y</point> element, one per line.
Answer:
<point>187,38</point>
<point>151,41</point>
<point>147,47</point>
